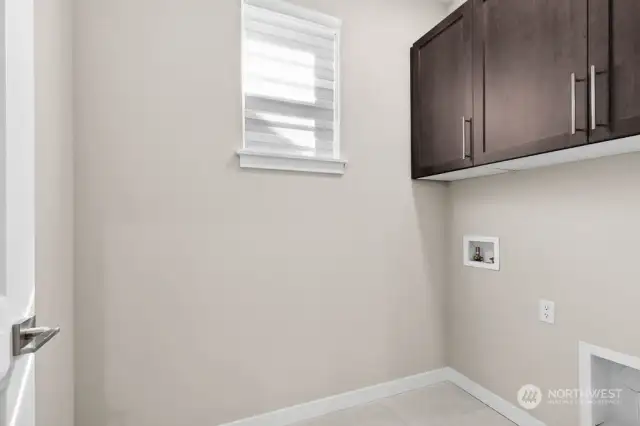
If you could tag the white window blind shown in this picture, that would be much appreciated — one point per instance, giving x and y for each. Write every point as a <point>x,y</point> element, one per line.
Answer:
<point>290,81</point>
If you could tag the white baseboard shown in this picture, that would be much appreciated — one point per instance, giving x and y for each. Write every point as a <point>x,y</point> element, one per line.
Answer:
<point>515,414</point>
<point>310,410</point>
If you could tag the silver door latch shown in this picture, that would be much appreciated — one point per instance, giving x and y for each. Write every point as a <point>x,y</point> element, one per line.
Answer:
<point>28,339</point>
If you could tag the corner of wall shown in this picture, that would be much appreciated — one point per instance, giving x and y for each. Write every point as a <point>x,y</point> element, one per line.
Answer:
<point>54,209</point>
<point>450,251</point>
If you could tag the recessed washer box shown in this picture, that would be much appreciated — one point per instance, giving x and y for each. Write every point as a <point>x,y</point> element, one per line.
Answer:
<point>488,248</point>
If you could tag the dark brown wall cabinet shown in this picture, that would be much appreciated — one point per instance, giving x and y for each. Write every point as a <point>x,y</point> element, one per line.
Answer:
<point>614,69</point>
<point>442,96</point>
<point>502,79</point>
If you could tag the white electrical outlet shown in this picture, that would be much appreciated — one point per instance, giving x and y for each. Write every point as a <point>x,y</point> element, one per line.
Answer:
<point>547,311</point>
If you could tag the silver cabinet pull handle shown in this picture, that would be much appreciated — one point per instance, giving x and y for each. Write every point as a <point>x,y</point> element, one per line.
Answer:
<point>27,338</point>
<point>593,97</point>
<point>573,103</point>
<point>464,137</point>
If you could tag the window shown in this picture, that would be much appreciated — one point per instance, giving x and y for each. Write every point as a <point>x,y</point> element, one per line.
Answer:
<point>290,88</point>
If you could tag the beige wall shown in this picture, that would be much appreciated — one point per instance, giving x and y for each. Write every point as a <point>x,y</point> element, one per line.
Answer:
<point>206,293</point>
<point>54,210</point>
<point>454,4</point>
<point>567,234</point>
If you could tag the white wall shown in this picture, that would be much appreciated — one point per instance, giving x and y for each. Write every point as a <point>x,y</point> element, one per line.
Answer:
<point>54,210</point>
<point>568,234</point>
<point>205,293</point>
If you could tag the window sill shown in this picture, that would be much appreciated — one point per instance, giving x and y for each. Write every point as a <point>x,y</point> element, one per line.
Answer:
<point>270,161</point>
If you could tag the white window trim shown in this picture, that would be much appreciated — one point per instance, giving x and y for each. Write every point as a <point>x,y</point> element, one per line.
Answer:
<point>253,159</point>
<point>264,160</point>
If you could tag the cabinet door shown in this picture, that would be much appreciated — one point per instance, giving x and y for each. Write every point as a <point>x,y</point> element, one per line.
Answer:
<point>441,96</point>
<point>614,55</point>
<point>525,56</point>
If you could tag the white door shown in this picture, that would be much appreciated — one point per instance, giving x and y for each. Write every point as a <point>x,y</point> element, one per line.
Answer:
<point>17,211</point>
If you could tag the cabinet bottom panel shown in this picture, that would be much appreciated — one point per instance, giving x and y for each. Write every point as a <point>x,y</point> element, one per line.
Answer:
<point>584,152</point>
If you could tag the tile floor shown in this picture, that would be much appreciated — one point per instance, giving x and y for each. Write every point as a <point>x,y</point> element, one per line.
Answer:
<point>440,405</point>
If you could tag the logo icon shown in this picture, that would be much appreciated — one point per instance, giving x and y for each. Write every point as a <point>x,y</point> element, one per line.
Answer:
<point>529,397</point>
